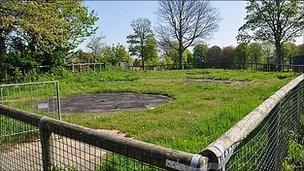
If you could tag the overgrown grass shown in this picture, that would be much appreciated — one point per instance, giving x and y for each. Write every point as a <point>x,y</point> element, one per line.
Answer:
<point>200,113</point>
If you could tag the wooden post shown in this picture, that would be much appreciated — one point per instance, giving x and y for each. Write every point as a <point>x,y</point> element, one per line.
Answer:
<point>58,100</point>
<point>46,148</point>
<point>2,99</point>
<point>73,68</point>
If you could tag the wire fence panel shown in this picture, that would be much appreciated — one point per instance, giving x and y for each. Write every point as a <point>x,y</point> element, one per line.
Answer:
<point>38,97</point>
<point>71,154</point>
<point>20,147</point>
<point>260,141</point>
<point>49,144</point>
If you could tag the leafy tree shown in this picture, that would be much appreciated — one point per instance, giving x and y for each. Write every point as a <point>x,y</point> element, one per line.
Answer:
<point>299,58</point>
<point>255,52</point>
<point>150,52</point>
<point>241,54</point>
<point>268,50</point>
<point>289,52</point>
<point>199,54</point>
<point>44,27</point>
<point>79,57</point>
<point>114,54</point>
<point>228,57</point>
<point>276,21</point>
<point>142,40</point>
<point>188,58</point>
<point>172,55</point>
<point>213,56</point>
<point>185,22</point>
<point>95,45</point>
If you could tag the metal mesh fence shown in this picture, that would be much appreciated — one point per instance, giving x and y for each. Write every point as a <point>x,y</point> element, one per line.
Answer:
<point>42,143</point>
<point>266,147</point>
<point>71,154</point>
<point>258,142</point>
<point>20,147</point>
<point>37,97</point>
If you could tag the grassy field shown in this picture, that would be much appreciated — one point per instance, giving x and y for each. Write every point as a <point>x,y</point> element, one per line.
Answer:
<point>199,114</point>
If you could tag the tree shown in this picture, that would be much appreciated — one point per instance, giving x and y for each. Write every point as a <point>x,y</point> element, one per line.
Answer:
<point>142,41</point>
<point>150,52</point>
<point>213,56</point>
<point>199,54</point>
<point>95,45</point>
<point>276,21</point>
<point>227,58</point>
<point>172,55</point>
<point>188,58</point>
<point>114,54</point>
<point>241,55</point>
<point>45,27</point>
<point>255,52</point>
<point>289,52</point>
<point>186,22</point>
<point>268,50</point>
<point>298,59</point>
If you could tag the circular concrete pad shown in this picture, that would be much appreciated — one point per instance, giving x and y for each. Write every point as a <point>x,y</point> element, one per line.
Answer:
<point>103,102</point>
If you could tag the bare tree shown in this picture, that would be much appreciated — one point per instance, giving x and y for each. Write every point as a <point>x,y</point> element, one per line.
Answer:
<point>187,22</point>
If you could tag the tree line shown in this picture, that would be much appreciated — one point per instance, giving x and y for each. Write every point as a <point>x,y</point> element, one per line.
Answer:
<point>266,37</point>
<point>40,33</point>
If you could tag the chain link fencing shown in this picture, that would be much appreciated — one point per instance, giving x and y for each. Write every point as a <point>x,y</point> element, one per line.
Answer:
<point>42,98</point>
<point>260,140</point>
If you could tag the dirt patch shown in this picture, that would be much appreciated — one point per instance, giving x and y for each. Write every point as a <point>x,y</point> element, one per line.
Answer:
<point>65,153</point>
<point>103,102</point>
<point>204,80</point>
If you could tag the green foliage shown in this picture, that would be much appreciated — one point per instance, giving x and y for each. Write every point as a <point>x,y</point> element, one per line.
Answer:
<point>15,66</point>
<point>171,55</point>
<point>79,57</point>
<point>298,59</point>
<point>241,55</point>
<point>114,54</point>
<point>95,45</point>
<point>289,52</point>
<point>295,158</point>
<point>150,52</point>
<point>46,30</point>
<point>255,52</point>
<point>142,42</point>
<point>274,21</point>
<point>213,56</point>
<point>268,50</point>
<point>227,58</point>
<point>199,54</point>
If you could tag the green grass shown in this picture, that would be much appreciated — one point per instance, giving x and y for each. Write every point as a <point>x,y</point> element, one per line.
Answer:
<point>200,112</point>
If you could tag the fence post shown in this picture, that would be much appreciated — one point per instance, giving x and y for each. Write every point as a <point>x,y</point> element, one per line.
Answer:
<point>46,148</point>
<point>1,92</point>
<point>58,100</point>
<point>73,68</point>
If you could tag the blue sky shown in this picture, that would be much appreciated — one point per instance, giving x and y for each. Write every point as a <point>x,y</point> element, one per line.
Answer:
<point>115,17</point>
